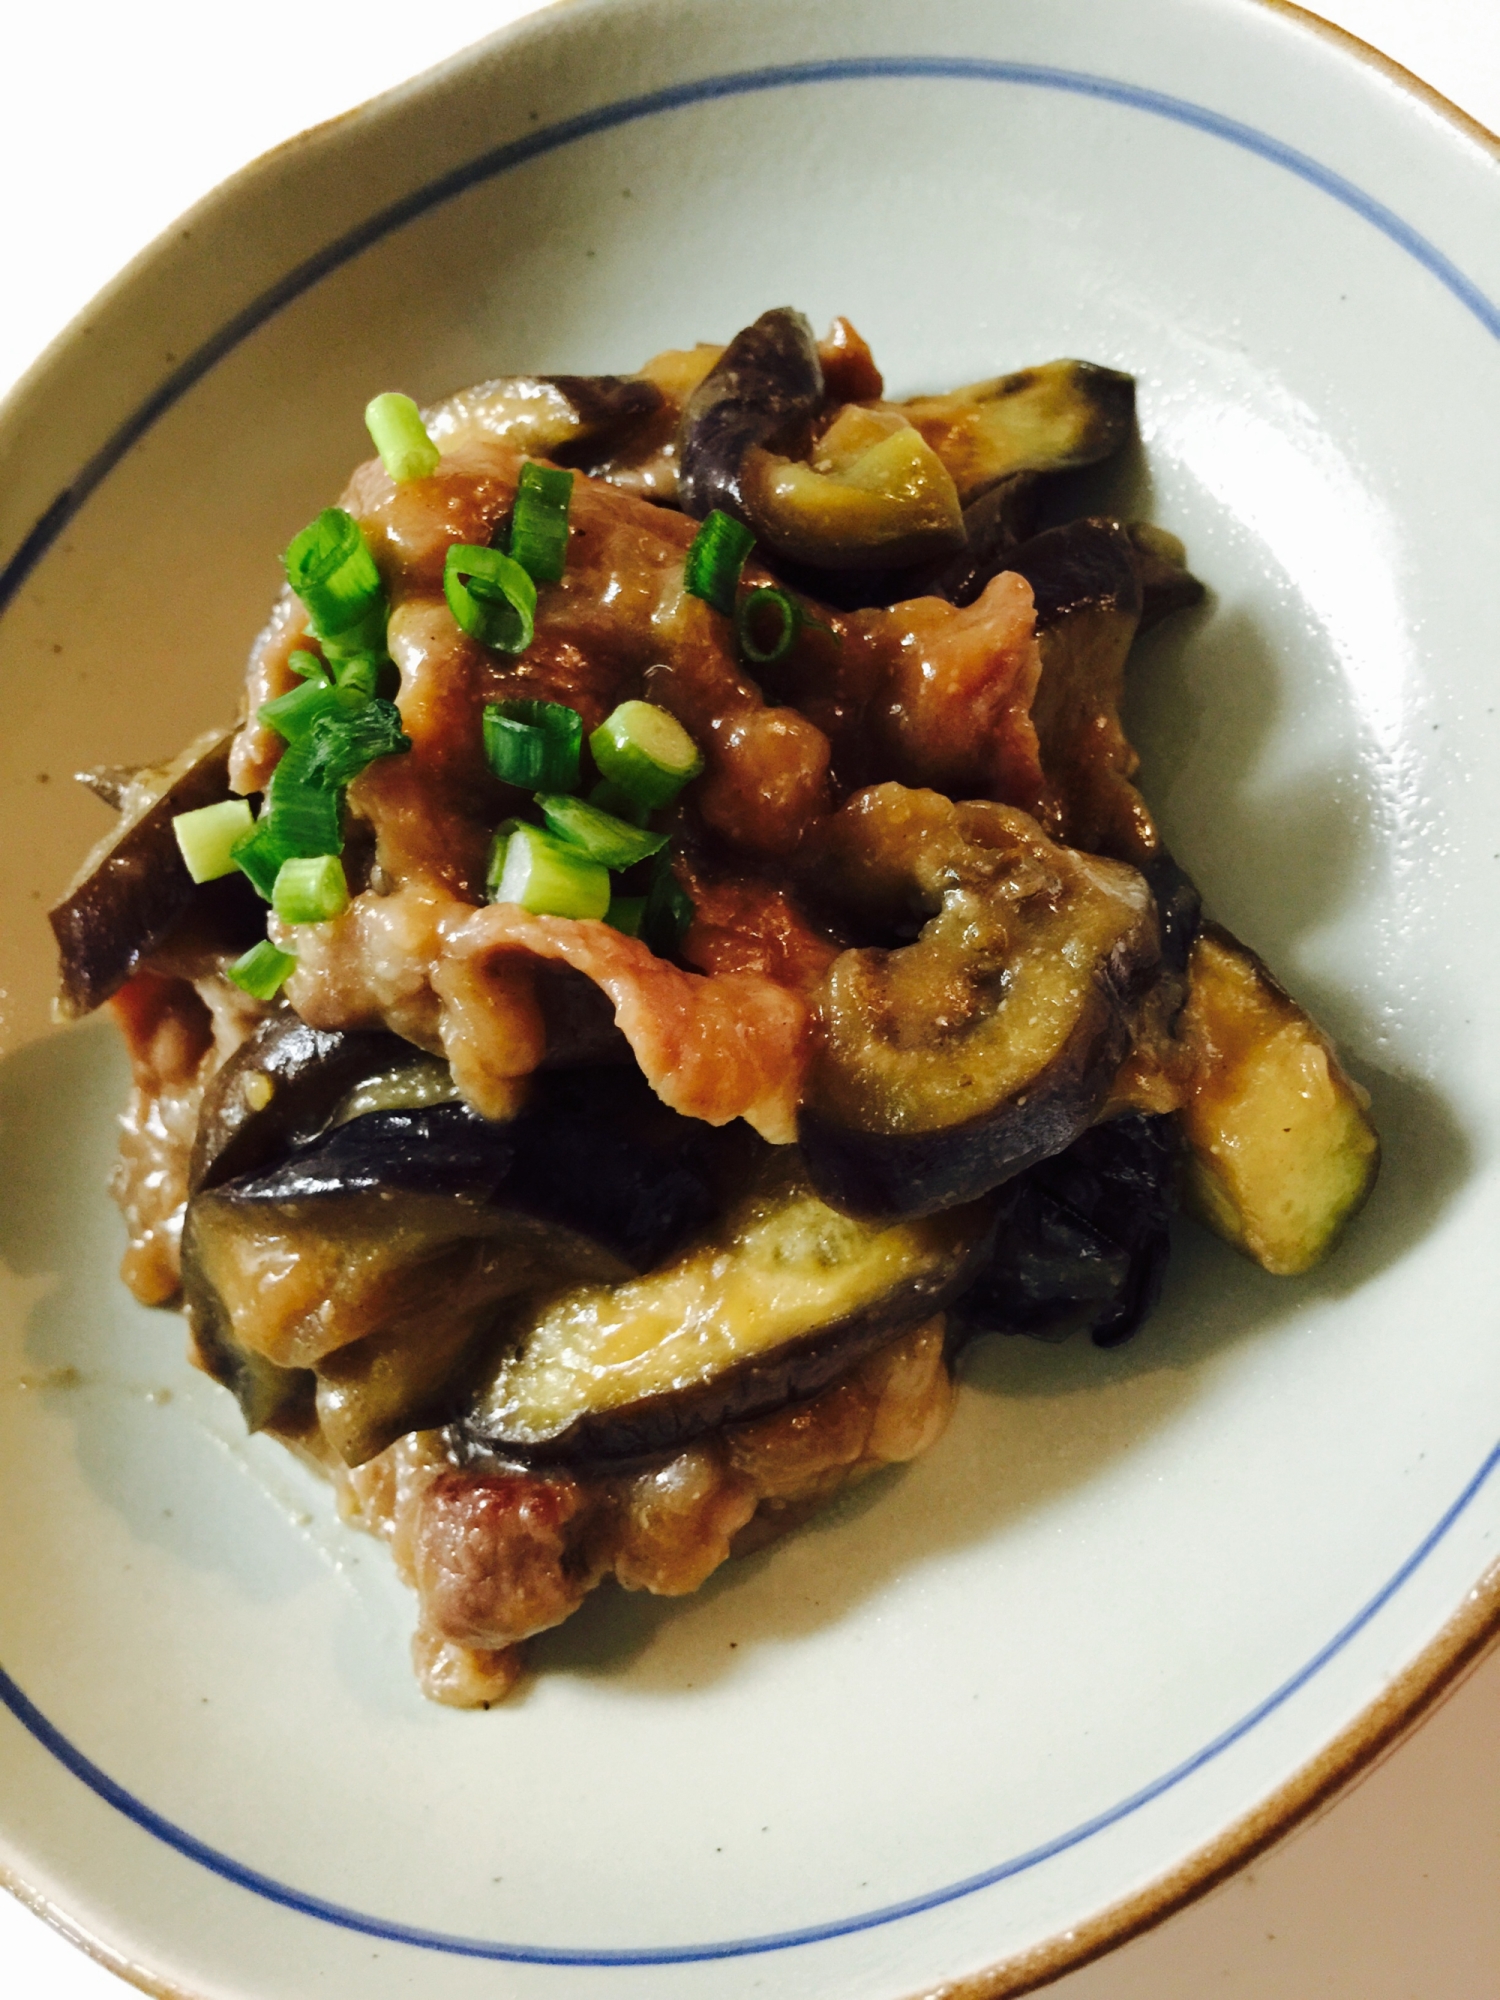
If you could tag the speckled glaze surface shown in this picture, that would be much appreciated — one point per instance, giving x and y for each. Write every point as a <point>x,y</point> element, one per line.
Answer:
<point>1137,1608</point>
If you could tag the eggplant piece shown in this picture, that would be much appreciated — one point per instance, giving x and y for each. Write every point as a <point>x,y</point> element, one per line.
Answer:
<point>951,1064</point>
<point>1167,584</point>
<point>768,1308</point>
<point>767,383</point>
<point>1088,597</point>
<point>1281,1151</point>
<point>382,1252</point>
<point>1082,1240</point>
<point>279,1090</point>
<point>571,419</point>
<point>133,890</point>
<point>1052,418</point>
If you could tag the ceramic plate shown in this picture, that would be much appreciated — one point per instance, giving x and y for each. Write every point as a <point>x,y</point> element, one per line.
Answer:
<point>1138,1608</point>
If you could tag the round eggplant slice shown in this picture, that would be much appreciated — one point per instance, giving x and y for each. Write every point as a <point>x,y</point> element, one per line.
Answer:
<point>779,1298</point>
<point>133,891</point>
<point>1081,1240</point>
<point>767,383</point>
<point>950,1064</point>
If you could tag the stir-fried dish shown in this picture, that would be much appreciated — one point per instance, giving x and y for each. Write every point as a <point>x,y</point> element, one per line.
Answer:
<point>672,950</point>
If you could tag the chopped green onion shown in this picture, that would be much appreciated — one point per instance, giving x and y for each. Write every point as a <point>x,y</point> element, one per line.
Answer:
<point>646,752</point>
<point>311,890</point>
<point>344,742</point>
<point>669,910</point>
<point>361,674</point>
<point>612,798</point>
<point>293,714</point>
<point>207,837</point>
<point>262,970</point>
<point>752,611</point>
<point>601,836</point>
<point>490,596</point>
<point>626,914</point>
<point>496,866</point>
<point>534,744</point>
<point>539,526</point>
<point>550,878</point>
<point>399,435</point>
<point>718,554</point>
<point>307,666</point>
<point>334,574</point>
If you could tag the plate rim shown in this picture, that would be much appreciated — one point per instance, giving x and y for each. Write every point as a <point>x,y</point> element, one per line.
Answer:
<point>1422,1685</point>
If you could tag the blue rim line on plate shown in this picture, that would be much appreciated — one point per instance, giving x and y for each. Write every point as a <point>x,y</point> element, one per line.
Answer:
<point>51,1738</point>
<point>170,391</point>
<point>630,111</point>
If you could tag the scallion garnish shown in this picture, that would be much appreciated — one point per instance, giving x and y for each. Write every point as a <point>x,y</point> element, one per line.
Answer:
<point>207,837</point>
<point>612,798</point>
<point>718,554</point>
<point>534,744</point>
<point>646,752</point>
<point>668,911</point>
<point>770,612</point>
<point>399,435</point>
<point>602,837</point>
<point>539,526</point>
<point>626,914</point>
<point>311,890</point>
<point>334,574</point>
<point>293,714</point>
<point>549,877</point>
<point>262,971</point>
<point>343,742</point>
<point>307,666</point>
<point>491,597</point>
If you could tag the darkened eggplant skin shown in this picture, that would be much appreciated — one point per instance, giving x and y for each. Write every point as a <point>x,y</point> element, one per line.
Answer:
<point>278,1090</point>
<point>134,889</point>
<point>1179,908</point>
<point>1081,1240</point>
<point>764,1370</point>
<point>609,408</point>
<point>594,1179</point>
<point>949,1065</point>
<point>918,1173</point>
<point>767,381</point>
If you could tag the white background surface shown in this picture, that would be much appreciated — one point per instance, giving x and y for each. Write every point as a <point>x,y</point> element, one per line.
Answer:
<point>117,118</point>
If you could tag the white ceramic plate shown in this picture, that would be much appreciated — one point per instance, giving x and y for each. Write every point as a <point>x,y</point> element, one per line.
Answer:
<point>1138,1609</point>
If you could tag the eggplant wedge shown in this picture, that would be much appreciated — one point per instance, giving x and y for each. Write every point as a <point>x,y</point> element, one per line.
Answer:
<point>133,891</point>
<point>1281,1152</point>
<point>952,1063</point>
<point>568,418</point>
<point>1052,418</point>
<point>779,1298</point>
<point>1082,1240</point>
<point>767,384</point>
<point>374,1256</point>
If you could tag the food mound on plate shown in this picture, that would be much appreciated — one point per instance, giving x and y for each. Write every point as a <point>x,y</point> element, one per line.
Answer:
<point>673,951</point>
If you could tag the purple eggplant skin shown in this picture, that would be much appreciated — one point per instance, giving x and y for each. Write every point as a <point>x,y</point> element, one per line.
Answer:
<point>1081,1240</point>
<point>556,1163</point>
<point>609,408</point>
<point>242,1127</point>
<point>1179,910</point>
<point>918,1173</point>
<point>134,890</point>
<point>767,382</point>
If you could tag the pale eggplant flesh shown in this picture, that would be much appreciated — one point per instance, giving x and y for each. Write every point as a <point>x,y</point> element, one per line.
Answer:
<point>134,893</point>
<point>779,1298</point>
<point>950,1064</point>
